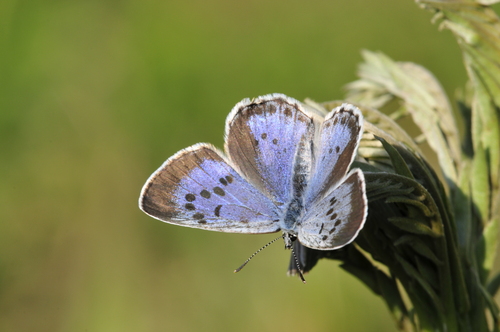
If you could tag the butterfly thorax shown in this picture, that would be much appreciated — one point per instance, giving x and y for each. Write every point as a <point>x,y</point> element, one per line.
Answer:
<point>289,222</point>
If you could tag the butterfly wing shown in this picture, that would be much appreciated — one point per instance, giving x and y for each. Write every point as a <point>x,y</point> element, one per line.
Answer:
<point>335,220</point>
<point>269,140</point>
<point>198,188</point>
<point>338,141</point>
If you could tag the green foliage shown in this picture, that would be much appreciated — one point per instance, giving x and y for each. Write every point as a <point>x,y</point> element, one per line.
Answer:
<point>429,245</point>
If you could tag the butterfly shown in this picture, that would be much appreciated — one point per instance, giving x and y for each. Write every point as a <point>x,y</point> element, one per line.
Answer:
<point>285,168</point>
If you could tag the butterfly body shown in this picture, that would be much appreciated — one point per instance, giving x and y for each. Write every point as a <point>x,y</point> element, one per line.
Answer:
<point>284,168</point>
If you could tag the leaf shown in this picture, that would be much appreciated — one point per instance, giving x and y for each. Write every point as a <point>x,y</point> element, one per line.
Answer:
<point>486,143</point>
<point>413,226</point>
<point>414,274</point>
<point>422,96</point>
<point>428,271</point>
<point>398,162</point>
<point>419,246</point>
<point>462,205</point>
<point>494,284</point>
<point>490,238</point>
<point>491,303</point>
<point>412,201</point>
<point>477,30</point>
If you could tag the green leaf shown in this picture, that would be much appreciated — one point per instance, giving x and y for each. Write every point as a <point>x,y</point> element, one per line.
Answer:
<point>462,206</point>
<point>414,202</point>
<point>490,240</point>
<point>419,246</point>
<point>428,271</point>
<point>493,285</point>
<point>415,275</point>
<point>491,303</point>
<point>383,185</point>
<point>398,162</point>
<point>440,243</point>
<point>423,97</point>
<point>477,30</point>
<point>414,226</point>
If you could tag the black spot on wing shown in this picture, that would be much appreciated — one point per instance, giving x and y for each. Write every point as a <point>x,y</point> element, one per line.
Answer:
<point>219,191</point>
<point>198,216</point>
<point>190,197</point>
<point>217,210</point>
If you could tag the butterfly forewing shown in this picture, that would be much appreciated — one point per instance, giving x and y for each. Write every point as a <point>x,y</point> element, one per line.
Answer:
<point>197,188</point>
<point>263,139</point>
<point>336,219</point>
<point>338,139</point>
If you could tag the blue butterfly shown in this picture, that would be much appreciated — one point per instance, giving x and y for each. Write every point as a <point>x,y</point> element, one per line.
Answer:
<point>284,168</point>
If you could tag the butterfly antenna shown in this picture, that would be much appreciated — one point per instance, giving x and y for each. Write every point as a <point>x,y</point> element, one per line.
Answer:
<point>255,253</point>
<point>298,266</point>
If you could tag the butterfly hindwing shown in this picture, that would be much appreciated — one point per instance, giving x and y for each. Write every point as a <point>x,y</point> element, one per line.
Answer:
<point>198,188</point>
<point>338,141</point>
<point>335,220</point>
<point>265,139</point>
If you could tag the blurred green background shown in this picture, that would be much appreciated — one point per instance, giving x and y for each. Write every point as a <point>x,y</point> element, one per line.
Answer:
<point>95,95</point>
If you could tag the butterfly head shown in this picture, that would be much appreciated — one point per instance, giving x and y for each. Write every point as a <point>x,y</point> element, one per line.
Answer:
<point>289,239</point>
